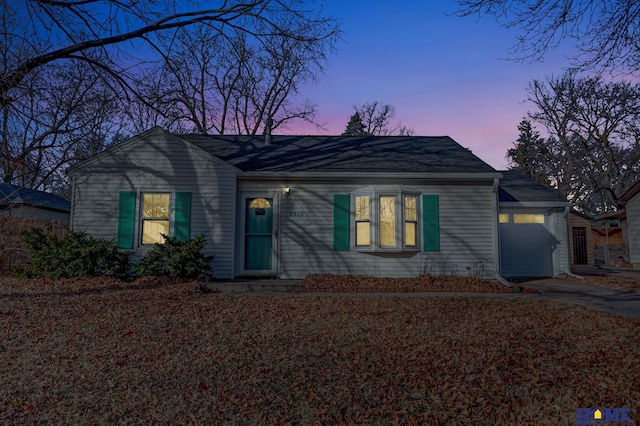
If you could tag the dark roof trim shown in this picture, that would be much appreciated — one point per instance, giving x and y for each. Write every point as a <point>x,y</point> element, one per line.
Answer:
<point>629,194</point>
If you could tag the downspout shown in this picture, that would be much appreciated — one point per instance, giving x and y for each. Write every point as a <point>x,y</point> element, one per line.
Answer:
<point>568,259</point>
<point>496,233</point>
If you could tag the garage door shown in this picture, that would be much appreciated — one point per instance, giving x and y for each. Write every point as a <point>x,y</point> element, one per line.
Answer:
<point>526,245</point>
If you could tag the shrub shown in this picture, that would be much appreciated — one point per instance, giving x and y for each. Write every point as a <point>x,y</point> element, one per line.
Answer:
<point>75,255</point>
<point>175,258</point>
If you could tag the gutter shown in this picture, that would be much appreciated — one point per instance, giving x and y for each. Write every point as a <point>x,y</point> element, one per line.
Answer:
<point>366,175</point>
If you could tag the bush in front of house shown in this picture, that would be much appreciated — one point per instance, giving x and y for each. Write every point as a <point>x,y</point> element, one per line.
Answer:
<point>175,258</point>
<point>75,255</point>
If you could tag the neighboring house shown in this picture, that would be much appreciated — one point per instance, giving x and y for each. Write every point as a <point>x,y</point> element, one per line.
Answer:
<point>630,201</point>
<point>24,202</point>
<point>533,228</point>
<point>286,206</point>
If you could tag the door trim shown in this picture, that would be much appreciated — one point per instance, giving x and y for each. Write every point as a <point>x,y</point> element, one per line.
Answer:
<point>240,235</point>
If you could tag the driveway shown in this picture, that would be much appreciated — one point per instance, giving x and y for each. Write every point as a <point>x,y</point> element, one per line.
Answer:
<point>606,299</point>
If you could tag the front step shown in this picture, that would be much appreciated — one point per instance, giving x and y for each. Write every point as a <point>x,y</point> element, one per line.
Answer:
<point>255,286</point>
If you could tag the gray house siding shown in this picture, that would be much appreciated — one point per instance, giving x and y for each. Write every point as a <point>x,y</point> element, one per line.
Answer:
<point>305,243</point>
<point>159,163</point>
<point>633,229</point>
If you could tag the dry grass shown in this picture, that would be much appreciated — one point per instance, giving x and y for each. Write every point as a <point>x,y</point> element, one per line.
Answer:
<point>157,352</point>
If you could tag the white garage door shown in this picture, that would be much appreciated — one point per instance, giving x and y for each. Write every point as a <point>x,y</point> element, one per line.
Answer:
<point>526,245</point>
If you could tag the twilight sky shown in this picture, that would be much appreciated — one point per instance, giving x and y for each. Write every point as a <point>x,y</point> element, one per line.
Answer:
<point>445,75</point>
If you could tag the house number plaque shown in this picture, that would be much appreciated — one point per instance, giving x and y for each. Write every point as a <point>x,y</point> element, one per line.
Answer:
<point>260,211</point>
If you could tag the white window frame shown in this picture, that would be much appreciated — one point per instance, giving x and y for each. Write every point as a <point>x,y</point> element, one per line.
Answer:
<point>375,193</point>
<point>143,219</point>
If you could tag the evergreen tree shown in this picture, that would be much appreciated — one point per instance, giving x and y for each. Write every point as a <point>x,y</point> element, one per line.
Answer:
<point>530,153</point>
<point>355,126</point>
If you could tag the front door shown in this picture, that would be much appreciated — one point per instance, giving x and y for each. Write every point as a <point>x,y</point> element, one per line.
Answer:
<point>259,236</point>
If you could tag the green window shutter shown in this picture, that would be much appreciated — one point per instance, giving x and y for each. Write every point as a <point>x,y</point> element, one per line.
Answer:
<point>430,223</point>
<point>182,216</point>
<point>126,219</point>
<point>341,222</point>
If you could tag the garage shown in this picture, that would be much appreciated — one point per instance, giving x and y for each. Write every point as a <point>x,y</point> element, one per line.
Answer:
<point>532,227</point>
<point>526,245</point>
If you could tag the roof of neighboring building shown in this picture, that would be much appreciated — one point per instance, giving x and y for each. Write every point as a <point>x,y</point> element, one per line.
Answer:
<point>580,214</point>
<point>618,214</point>
<point>516,186</point>
<point>369,154</point>
<point>629,194</point>
<point>14,195</point>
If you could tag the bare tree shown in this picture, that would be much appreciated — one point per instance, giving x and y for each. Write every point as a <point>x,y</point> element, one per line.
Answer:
<point>68,69</point>
<point>377,120</point>
<point>58,116</point>
<point>606,32</point>
<point>85,30</point>
<point>592,153</point>
<point>229,84</point>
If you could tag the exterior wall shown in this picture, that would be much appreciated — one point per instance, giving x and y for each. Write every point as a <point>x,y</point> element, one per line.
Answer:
<point>159,163</point>
<point>576,221</point>
<point>633,230</point>
<point>305,245</point>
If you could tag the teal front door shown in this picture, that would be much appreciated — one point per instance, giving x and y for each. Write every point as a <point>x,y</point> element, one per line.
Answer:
<point>259,235</point>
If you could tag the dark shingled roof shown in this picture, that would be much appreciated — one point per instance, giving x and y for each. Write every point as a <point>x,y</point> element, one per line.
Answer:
<point>516,186</point>
<point>12,194</point>
<point>392,154</point>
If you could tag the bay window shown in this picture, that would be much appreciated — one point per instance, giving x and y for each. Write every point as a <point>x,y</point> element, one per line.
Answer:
<point>385,219</point>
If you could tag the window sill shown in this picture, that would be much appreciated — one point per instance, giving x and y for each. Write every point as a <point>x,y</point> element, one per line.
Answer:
<point>385,250</point>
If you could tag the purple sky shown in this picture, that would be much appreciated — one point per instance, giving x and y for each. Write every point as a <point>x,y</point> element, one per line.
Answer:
<point>445,75</point>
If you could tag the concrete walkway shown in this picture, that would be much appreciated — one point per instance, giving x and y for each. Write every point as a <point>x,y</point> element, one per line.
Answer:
<point>606,299</point>
<point>609,300</point>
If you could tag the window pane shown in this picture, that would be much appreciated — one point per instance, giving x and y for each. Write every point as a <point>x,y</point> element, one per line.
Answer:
<point>362,208</point>
<point>528,218</point>
<point>259,203</point>
<point>410,234</point>
<point>151,230</point>
<point>163,205</point>
<point>410,212</point>
<point>504,217</point>
<point>155,205</point>
<point>147,205</point>
<point>363,234</point>
<point>387,221</point>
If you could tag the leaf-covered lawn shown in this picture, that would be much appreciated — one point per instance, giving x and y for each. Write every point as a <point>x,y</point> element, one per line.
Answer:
<point>156,351</point>
<point>627,284</point>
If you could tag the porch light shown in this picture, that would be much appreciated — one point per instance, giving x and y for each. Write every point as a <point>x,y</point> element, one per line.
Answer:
<point>287,191</point>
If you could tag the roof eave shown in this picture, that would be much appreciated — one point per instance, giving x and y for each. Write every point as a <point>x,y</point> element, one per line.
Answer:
<point>367,175</point>
<point>629,194</point>
<point>535,204</point>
